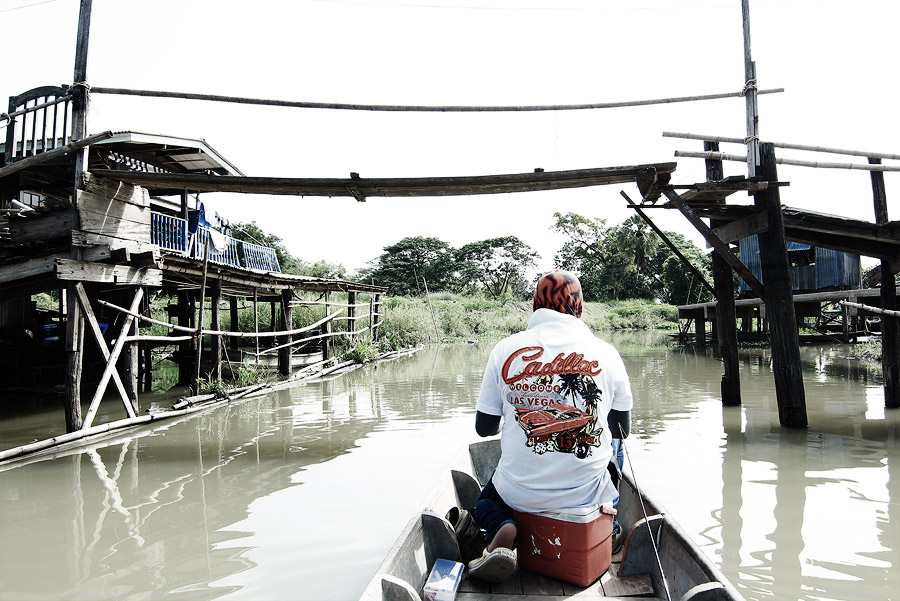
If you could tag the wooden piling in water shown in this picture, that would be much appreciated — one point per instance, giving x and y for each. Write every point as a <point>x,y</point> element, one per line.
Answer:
<point>215,340</point>
<point>726,321</point>
<point>779,299</point>
<point>287,316</point>
<point>890,362</point>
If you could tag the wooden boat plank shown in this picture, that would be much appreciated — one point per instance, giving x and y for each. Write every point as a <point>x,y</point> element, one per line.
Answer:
<point>535,584</point>
<point>625,586</point>
<point>585,595</point>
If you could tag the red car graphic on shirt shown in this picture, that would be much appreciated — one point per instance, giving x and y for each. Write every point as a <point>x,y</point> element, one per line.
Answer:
<point>567,428</point>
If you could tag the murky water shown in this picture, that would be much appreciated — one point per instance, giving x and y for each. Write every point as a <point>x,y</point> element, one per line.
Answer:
<point>299,494</point>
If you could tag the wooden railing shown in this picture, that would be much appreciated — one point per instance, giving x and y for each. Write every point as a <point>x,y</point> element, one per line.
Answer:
<point>40,121</point>
<point>171,233</point>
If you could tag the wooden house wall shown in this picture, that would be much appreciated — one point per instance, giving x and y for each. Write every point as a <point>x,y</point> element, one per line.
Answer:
<point>14,313</point>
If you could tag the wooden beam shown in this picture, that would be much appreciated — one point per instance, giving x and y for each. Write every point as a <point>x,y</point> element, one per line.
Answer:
<point>44,157</point>
<point>40,228</point>
<point>114,190</point>
<point>91,321</point>
<point>389,187</point>
<point>119,275</point>
<point>714,241</point>
<point>86,239</point>
<point>111,362</point>
<point>741,228</point>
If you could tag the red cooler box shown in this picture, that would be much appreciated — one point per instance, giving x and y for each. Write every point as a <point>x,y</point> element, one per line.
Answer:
<point>573,545</point>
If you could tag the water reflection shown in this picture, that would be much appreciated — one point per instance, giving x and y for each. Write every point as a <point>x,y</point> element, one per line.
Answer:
<point>789,514</point>
<point>174,509</point>
<point>300,493</point>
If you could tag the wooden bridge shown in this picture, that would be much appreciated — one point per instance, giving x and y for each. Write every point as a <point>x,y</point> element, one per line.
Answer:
<point>104,218</point>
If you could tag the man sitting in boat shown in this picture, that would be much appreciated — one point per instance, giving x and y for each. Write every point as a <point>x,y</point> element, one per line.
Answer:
<point>560,395</point>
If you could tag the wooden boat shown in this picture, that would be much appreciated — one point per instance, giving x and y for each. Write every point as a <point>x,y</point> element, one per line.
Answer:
<point>681,573</point>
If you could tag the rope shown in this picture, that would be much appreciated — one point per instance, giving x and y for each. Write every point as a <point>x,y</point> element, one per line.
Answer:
<point>82,84</point>
<point>749,86</point>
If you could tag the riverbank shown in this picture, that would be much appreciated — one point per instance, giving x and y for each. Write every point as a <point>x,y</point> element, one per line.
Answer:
<point>414,321</point>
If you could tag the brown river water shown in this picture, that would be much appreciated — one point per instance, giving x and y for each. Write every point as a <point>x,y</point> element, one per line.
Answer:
<point>299,494</point>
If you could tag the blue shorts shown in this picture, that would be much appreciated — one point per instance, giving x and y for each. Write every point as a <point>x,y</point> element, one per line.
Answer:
<point>492,512</point>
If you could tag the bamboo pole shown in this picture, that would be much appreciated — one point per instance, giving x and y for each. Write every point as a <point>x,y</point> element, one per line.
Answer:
<point>788,145</point>
<point>218,332</point>
<point>433,319</point>
<point>418,108</point>
<point>871,309</point>
<point>721,156</point>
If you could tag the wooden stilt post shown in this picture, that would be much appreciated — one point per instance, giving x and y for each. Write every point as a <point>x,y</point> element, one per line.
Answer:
<point>726,322</point>
<point>131,364</point>
<point>185,318</point>
<point>74,349</point>
<point>256,323</point>
<point>148,366</point>
<point>233,314</point>
<point>779,300</point>
<point>700,330</point>
<point>74,315</point>
<point>351,314</point>
<point>890,362</point>
<point>326,329</point>
<point>199,334</point>
<point>215,298</point>
<point>287,319</point>
<point>273,323</point>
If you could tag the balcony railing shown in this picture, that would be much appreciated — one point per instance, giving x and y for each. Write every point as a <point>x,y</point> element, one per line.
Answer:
<point>171,233</point>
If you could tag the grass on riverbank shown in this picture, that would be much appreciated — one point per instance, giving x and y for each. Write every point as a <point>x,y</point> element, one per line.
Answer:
<point>410,321</point>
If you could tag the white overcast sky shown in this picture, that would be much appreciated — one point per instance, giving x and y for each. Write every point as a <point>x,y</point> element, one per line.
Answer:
<point>835,59</point>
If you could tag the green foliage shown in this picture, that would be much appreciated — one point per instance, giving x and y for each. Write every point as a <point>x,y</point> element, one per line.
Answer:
<point>361,349</point>
<point>402,266</point>
<point>628,261</point>
<point>209,384</point>
<point>248,374</point>
<point>496,266</point>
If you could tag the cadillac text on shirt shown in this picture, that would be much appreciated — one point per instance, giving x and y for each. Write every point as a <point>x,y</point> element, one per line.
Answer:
<point>573,363</point>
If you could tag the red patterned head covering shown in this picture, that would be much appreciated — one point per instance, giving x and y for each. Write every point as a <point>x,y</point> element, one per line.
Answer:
<point>560,291</point>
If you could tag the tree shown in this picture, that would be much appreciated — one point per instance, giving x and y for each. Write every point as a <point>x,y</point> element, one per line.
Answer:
<point>496,265</point>
<point>680,284</point>
<point>403,265</point>
<point>628,260</point>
